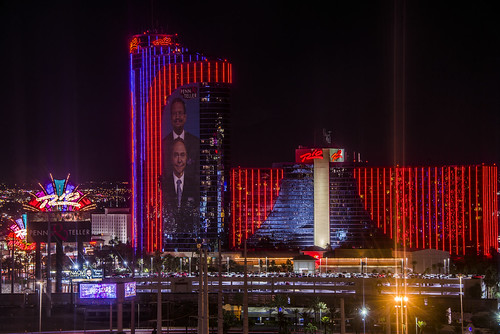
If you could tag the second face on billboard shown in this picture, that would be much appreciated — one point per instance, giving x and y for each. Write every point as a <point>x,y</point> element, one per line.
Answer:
<point>181,164</point>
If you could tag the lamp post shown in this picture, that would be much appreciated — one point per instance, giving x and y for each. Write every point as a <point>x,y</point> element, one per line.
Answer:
<point>461,306</point>
<point>364,313</point>
<point>401,302</point>
<point>40,285</point>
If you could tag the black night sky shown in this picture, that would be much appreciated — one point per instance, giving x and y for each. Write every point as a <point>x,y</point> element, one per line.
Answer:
<point>297,68</point>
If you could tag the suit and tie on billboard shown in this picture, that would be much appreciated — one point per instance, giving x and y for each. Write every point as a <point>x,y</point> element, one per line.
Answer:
<point>181,164</point>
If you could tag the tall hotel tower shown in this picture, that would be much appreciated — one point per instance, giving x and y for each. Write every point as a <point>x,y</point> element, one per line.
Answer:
<point>180,105</point>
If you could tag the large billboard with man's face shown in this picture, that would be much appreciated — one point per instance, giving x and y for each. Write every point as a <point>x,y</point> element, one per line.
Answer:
<point>181,165</point>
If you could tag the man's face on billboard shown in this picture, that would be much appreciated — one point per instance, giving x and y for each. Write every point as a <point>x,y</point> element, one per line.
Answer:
<point>178,117</point>
<point>179,158</point>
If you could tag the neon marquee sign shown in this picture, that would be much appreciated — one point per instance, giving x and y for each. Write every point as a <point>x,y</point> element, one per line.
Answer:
<point>16,238</point>
<point>316,154</point>
<point>133,44</point>
<point>59,195</point>
<point>67,198</point>
<point>336,155</point>
<point>308,155</point>
<point>163,41</point>
<point>144,41</point>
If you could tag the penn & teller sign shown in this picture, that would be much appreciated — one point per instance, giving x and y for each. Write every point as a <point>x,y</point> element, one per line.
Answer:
<point>66,231</point>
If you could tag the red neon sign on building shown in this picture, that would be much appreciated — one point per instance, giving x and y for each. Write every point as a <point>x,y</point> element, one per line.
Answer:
<point>307,155</point>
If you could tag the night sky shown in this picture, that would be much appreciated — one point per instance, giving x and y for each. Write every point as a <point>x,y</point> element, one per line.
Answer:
<point>297,68</point>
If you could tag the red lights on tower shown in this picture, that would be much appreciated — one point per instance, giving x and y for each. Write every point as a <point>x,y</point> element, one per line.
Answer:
<point>448,208</point>
<point>253,194</point>
<point>159,65</point>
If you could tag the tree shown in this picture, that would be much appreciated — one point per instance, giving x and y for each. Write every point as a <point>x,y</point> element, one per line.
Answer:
<point>170,263</point>
<point>282,322</point>
<point>278,303</point>
<point>113,242</point>
<point>273,267</point>
<point>322,309</point>
<point>306,316</point>
<point>157,262</point>
<point>288,266</point>
<point>420,325</point>
<point>230,320</point>
<point>296,318</point>
<point>414,264</point>
<point>325,320</point>
<point>334,315</point>
<point>310,328</point>
<point>491,281</point>
<point>317,306</point>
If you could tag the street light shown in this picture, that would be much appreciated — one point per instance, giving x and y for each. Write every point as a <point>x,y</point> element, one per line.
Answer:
<point>364,313</point>
<point>461,306</point>
<point>401,302</point>
<point>40,285</point>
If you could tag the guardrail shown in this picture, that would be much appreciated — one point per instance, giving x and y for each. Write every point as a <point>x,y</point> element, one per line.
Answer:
<point>324,285</point>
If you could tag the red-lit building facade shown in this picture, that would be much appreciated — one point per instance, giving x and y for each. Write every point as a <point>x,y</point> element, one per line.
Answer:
<point>450,208</point>
<point>158,66</point>
<point>253,194</point>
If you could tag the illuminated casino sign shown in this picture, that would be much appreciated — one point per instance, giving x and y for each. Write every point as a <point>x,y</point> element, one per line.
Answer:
<point>133,44</point>
<point>144,41</point>
<point>336,154</point>
<point>67,231</point>
<point>86,273</point>
<point>60,196</point>
<point>61,211</point>
<point>97,290</point>
<point>16,236</point>
<point>130,289</point>
<point>167,40</point>
<point>308,155</point>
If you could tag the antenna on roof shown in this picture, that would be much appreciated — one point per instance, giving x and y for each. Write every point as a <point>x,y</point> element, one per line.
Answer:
<point>327,136</point>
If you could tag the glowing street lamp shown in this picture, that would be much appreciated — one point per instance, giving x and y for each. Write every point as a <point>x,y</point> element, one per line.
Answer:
<point>364,313</point>
<point>401,302</point>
